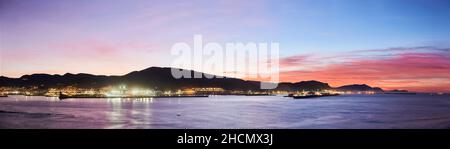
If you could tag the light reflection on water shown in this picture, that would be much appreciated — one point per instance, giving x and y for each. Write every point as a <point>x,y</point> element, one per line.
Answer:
<point>346,111</point>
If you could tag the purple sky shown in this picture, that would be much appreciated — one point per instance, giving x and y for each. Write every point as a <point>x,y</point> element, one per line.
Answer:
<point>318,38</point>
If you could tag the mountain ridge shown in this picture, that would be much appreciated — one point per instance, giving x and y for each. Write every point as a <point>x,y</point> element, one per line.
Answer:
<point>161,78</point>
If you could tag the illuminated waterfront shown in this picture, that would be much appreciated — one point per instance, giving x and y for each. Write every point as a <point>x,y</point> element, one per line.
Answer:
<point>136,92</point>
<point>345,111</point>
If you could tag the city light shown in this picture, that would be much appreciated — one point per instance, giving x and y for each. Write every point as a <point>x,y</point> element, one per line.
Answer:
<point>125,91</point>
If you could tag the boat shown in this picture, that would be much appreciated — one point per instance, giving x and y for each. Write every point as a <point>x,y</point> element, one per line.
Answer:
<point>62,96</point>
<point>3,95</point>
<point>330,94</point>
<point>289,95</point>
<point>313,96</point>
<point>178,96</point>
<point>263,94</point>
<point>305,96</point>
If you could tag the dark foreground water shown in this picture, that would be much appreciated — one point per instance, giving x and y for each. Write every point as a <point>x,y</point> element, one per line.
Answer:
<point>345,111</point>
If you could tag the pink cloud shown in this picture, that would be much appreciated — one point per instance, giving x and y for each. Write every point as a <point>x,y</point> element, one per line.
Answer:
<point>414,71</point>
<point>293,60</point>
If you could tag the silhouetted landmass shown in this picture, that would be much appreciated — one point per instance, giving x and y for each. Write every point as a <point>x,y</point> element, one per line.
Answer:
<point>160,79</point>
<point>398,91</point>
<point>153,77</point>
<point>359,87</point>
<point>303,85</point>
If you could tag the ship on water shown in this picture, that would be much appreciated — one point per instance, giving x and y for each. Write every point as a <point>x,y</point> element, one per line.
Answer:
<point>314,95</point>
<point>311,94</point>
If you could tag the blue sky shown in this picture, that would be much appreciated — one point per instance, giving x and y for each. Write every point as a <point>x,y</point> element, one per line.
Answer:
<point>333,26</point>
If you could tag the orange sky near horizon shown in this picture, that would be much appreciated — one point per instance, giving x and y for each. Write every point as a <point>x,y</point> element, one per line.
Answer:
<point>414,71</point>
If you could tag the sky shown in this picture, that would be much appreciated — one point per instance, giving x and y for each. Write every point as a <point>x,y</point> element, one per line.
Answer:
<point>393,44</point>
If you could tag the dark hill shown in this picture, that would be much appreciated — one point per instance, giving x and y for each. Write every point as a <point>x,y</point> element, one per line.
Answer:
<point>359,87</point>
<point>153,77</point>
<point>161,79</point>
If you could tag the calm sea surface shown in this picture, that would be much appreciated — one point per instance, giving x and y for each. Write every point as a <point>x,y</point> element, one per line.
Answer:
<point>345,111</point>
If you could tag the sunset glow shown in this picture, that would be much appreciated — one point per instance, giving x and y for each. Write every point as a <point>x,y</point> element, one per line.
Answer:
<point>337,43</point>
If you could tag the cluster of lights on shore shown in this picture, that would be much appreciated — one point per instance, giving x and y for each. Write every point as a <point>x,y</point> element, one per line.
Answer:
<point>124,91</point>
